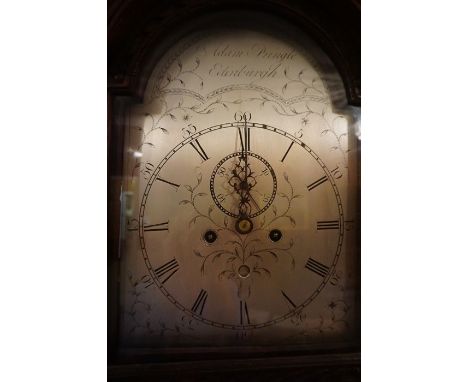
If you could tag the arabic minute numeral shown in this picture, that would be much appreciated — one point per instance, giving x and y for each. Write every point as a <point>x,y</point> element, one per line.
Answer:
<point>334,279</point>
<point>189,130</point>
<point>336,172</point>
<point>349,225</point>
<point>132,225</point>
<point>147,170</point>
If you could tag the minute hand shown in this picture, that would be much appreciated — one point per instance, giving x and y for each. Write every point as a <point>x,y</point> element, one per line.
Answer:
<point>245,149</point>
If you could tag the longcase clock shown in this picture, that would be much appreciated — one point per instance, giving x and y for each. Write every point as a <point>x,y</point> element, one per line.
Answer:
<point>238,214</point>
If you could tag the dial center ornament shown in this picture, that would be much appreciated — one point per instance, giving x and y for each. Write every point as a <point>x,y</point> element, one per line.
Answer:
<point>243,185</point>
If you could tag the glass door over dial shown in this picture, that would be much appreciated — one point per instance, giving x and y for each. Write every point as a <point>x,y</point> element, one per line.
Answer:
<point>240,195</point>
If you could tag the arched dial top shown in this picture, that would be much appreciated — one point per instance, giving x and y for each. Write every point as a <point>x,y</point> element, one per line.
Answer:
<point>201,263</point>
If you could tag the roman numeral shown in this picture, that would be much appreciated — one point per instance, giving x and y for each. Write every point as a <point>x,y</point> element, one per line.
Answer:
<point>244,313</point>
<point>157,227</point>
<point>315,266</point>
<point>245,141</point>
<point>287,151</point>
<point>317,183</point>
<point>170,183</point>
<point>329,224</point>
<point>168,269</point>
<point>199,150</point>
<point>289,300</point>
<point>199,303</point>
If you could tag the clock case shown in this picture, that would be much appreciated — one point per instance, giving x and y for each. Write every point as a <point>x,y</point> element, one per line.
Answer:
<point>138,34</point>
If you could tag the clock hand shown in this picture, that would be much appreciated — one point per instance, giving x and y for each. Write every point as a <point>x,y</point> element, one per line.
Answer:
<point>253,200</point>
<point>245,149</point>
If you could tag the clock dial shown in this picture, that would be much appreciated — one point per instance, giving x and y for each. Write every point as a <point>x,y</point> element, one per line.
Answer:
<point>240,199</point>
<point>282,258</point>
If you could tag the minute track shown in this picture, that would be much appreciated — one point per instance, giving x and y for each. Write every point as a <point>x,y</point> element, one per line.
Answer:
<point>195,308</point>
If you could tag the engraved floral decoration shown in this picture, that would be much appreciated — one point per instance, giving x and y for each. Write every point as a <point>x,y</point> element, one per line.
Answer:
<point>180,73</point>
<point>334,318</point>
<point>306,85</point>
<point>139,312</point>
<point>329,123</point>
<point>243,257</point>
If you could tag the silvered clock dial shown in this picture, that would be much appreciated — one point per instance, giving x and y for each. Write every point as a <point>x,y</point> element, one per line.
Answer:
<point>240,199</point>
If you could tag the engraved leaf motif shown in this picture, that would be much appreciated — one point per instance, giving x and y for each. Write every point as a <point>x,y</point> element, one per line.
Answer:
<point>226,273</point>
<point>256,256</point>
<point>173,117</point>
<point>286,177</point>
<point>225,221</point>
<point>183,202</point>
<point>293,222</point>
<point>274,255</point>
<point>275,210</point>
<point>189,188</point>
<point>259,271</point>
<point>193,220</point>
